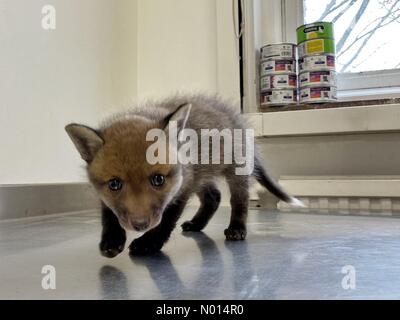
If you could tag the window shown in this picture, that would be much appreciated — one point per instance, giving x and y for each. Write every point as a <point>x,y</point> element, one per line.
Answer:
<point>366,43</point>
<point>365,32</point>
<point>366,36</point>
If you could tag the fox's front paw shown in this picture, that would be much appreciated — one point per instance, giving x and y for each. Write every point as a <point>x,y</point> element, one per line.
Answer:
<point>191,226</point>
<point>112,244</point>
<point>145,245</point>
<point>234,234</point>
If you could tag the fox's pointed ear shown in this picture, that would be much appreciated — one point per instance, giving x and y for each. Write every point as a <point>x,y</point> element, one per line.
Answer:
<point>85,139</point>
<point>179,116</point>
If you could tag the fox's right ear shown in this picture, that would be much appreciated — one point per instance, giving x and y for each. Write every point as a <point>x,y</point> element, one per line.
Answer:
<point>85,139</point>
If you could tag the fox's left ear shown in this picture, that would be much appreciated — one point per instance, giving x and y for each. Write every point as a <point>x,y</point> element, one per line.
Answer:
<point>85,139</point>
<point>180,116</point>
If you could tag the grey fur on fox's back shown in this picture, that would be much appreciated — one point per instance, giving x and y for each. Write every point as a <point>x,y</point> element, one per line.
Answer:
<point>114,154</point>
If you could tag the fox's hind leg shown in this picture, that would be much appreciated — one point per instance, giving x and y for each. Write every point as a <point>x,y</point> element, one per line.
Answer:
<point>239,188</point>
<point>210,197</point>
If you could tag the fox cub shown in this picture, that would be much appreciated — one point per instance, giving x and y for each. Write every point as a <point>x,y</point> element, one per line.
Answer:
<point>142,195</point>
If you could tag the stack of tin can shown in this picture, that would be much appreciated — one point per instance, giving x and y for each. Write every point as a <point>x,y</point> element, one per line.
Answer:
<point>317,75</point>
<point>278,77</point>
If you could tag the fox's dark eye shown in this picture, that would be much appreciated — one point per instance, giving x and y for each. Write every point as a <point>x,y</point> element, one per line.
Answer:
<point>115,184</point>
<point>157,180</point>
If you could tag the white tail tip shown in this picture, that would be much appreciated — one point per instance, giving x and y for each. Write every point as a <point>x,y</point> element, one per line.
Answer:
<point>296,203</point>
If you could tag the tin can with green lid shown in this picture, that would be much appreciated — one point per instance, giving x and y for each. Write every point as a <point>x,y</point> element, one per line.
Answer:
<point>321,30</point>
<point>316,46</point>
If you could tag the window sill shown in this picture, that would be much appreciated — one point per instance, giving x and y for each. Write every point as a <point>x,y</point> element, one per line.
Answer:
<point>368,93</point>
<point>330,105</point>
<point>352,117</point>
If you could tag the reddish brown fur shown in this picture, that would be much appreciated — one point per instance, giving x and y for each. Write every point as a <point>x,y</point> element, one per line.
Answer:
<point>123,156</point>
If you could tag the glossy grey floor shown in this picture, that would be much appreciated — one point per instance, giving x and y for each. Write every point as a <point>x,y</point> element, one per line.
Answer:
<point>286,256</point>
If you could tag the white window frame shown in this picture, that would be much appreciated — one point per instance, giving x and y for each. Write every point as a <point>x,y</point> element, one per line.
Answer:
<point>282,17</point>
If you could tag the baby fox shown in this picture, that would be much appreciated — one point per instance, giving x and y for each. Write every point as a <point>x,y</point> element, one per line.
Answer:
<point>138,193</point>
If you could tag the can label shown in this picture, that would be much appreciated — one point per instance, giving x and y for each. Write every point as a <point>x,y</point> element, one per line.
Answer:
<point>317,62</point>
<point>277,66</point>
<point>315,30</point>
<point>316,46</point>
<point>278,97</point>
<point>279,51</point>
<point>278,81</point>
<point>317,78</point>
<point>318,94</point>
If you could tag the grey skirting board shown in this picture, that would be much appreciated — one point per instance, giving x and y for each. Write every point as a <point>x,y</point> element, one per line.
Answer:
<point>20,201</point>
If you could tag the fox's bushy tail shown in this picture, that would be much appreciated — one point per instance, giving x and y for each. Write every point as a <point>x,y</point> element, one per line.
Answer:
<point>262,176</point>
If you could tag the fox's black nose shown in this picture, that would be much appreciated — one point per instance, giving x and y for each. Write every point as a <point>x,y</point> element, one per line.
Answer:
<point>139,226</point>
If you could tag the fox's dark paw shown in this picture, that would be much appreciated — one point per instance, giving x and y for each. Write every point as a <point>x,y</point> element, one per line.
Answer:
<point>144,246</point>
<point>112,245</point>
<point>234,234</point>
<point>191,226</point>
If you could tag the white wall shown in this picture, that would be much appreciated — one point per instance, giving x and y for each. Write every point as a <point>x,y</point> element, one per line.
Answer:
<point>268,21</point>
<point>177,46</point>
<point>186,45</point>
<point>103,55</point>
<point>78,72</point>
